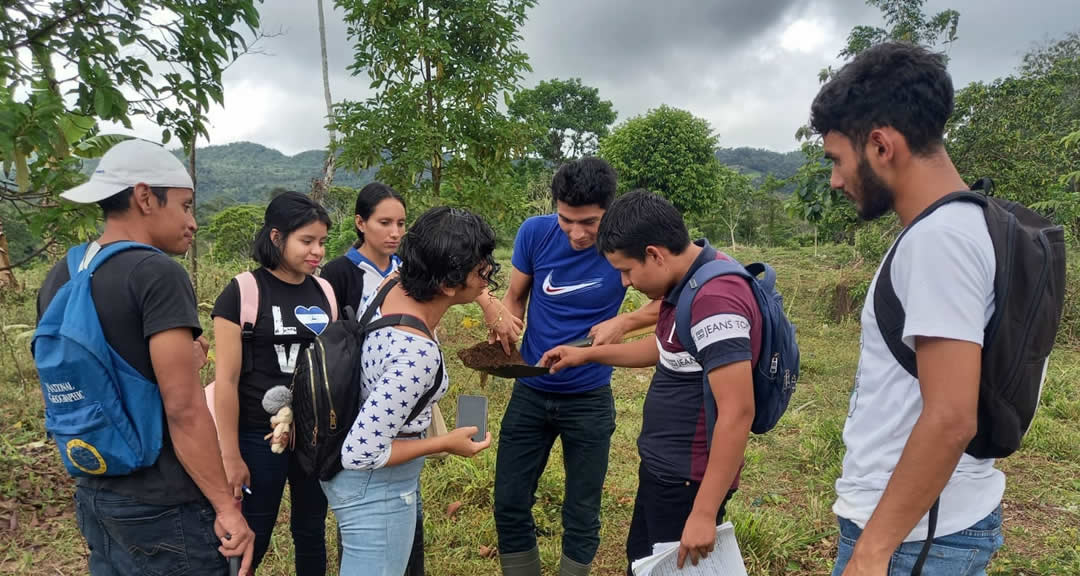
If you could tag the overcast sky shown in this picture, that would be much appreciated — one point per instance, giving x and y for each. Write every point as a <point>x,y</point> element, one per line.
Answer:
<point>747,66</point>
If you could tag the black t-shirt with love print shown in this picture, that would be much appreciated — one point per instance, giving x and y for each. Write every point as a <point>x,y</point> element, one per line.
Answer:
<point>290,316</point>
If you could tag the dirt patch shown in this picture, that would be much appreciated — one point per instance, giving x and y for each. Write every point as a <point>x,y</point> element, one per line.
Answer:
<point>484,356</point>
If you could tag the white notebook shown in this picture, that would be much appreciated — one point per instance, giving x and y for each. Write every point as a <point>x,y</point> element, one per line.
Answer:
<point>724,560</point>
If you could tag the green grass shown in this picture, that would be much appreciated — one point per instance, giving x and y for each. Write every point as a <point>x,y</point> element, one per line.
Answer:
<point>782,511</point>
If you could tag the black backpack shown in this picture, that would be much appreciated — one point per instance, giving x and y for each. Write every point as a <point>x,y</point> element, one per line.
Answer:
<point>326,386</point>
<point>1029,292</point>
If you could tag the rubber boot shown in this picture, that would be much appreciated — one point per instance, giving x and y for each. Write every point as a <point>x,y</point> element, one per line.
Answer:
<point>521,563</point>
<point>568,567</point>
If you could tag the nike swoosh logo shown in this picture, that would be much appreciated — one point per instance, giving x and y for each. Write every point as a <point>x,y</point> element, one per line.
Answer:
<point>559,290</point>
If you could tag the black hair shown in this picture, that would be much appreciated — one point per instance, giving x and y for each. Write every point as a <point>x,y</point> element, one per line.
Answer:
<point>285,213</point>
<point>442,248</point>
<point>120,202</point>
<point>639,219</point>
<point>582,182</point>
<point>368,198</point>
<point>892,84</point>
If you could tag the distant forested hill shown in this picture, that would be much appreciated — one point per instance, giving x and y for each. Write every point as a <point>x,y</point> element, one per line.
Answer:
<point>245,172</point>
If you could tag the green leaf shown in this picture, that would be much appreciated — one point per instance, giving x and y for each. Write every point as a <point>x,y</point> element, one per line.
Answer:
<point>74,126</point>
<point>97,146</point>
<point>101,103</point>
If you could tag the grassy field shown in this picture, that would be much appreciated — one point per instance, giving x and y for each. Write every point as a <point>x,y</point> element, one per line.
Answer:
<point>782,511</point>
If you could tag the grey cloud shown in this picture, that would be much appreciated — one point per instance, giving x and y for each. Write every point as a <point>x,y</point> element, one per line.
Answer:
<point>720,59</point>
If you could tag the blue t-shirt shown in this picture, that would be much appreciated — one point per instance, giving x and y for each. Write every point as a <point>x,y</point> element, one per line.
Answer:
<point>572,291</point>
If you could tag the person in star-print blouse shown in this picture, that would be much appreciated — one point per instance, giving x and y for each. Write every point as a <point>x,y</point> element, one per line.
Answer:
<point>398,368</point>
<point>446,259</point>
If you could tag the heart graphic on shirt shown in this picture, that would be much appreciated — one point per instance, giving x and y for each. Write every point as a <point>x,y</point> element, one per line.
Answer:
<point>313,318</point>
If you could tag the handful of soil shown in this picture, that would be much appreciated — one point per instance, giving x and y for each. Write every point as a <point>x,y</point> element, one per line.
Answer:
<point>483,356</point>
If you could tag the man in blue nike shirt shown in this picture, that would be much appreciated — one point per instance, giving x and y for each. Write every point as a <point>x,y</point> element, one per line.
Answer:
<point>571,292</point>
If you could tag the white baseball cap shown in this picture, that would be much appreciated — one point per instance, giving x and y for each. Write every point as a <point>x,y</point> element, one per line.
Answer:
<point>129,163</point>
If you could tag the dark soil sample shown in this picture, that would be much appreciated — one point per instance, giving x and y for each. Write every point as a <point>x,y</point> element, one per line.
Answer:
<point>483,356</point>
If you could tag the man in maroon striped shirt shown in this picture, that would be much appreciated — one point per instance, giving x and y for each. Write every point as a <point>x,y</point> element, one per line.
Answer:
<point>683,486</point>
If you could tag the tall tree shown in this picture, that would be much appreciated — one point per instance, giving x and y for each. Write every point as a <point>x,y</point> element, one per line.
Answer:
<point>737,199</point>
<point>321,188</point>
<point>904,21</point>
<point>1015,130</point>
<point>436,68</point>
<point>570,116</point>
<point>669,151</point>
<point>48,116</point>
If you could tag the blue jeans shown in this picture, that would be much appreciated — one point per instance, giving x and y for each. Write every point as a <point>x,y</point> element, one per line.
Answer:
<point>532,421</point>
<point>127,537</point>
<point>965,553</point>
<point>376,512</point>
<point>307,518</point>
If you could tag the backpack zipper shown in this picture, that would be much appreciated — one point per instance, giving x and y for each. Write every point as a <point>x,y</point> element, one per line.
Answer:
<point>326,382</point>
<point>314,408</point>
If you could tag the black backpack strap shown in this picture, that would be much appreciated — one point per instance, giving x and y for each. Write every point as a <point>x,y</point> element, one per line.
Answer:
<point>416,324</point>
<point>931,525</point>
<point>247,329</point>
<point>887,308</point>
<point>377,301</point>
<point>426,397</point>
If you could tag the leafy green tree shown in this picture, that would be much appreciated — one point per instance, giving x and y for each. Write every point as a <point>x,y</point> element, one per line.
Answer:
<point>771,224</point>
<point>817,202</point>
<point>570,117</point>
<point>905,20</point>
<point>737,200</point>
<point>48,116</point>
<point>1016,130</point>
<point>436,69</point>
<point>669,151</point>
<point>233,230</point>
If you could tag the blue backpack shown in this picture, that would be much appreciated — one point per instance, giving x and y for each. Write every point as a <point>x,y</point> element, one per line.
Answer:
<point>777,369</point>
<point>105,417</point>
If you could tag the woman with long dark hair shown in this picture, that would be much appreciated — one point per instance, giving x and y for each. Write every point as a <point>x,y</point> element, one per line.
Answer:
<point>293,308</point>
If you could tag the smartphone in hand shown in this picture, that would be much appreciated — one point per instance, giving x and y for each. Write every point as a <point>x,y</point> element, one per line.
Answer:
<point>472,411</point>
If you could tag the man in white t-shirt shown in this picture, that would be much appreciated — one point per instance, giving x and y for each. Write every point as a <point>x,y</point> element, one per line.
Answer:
<point>882,119</point>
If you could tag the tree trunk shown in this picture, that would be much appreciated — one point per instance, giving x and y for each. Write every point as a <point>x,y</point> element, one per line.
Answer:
<point>7,275</point>
<point>731,229</point>
<point>195,239</point>
<point>320,189</point>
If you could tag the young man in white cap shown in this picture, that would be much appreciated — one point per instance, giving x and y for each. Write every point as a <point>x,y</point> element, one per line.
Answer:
<point>178,515</point>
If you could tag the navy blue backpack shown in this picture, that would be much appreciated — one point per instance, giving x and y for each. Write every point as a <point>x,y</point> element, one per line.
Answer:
<point>105,417</point>
<point>777,370</point>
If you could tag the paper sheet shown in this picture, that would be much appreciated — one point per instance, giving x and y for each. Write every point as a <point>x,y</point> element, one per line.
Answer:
<point>725,559</point>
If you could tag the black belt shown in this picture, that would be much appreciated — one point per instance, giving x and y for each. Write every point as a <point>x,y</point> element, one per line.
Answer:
<point>409,435</point>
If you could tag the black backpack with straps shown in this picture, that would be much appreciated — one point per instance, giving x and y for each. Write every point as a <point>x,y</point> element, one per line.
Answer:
<point>1029,291</point>
<point>327,383</point>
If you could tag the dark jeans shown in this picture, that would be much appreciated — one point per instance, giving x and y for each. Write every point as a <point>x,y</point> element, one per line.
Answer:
<point>660,512</point>
<point>269,473</point>
<point>532,421</point>
<point>127,537</point>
